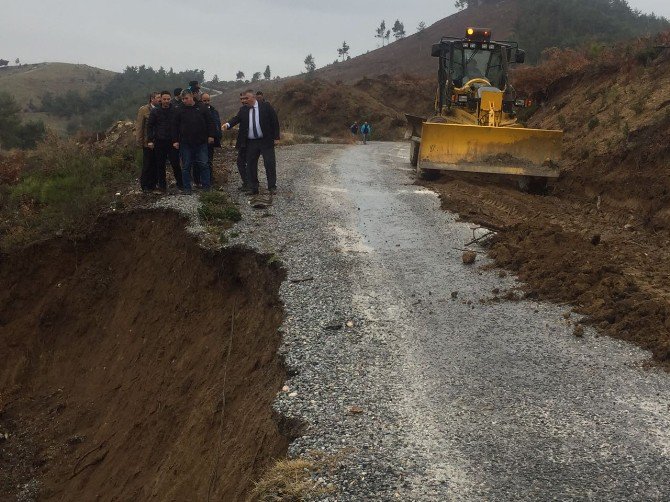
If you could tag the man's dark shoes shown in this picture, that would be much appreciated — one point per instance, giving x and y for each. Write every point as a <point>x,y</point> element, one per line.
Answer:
<point>273,190</point>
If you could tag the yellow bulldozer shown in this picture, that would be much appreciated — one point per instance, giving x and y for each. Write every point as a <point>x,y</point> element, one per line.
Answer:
<point>475,128</point>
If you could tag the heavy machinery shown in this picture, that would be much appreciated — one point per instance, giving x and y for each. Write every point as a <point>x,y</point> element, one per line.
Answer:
<point>474,128</point>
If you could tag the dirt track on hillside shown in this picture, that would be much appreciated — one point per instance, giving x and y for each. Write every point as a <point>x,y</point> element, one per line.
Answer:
<point>599,259</point>
<point>115,352</point>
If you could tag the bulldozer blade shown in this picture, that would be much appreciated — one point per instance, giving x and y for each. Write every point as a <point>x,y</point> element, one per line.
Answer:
<point>415,123</point>
<point>495,150</point>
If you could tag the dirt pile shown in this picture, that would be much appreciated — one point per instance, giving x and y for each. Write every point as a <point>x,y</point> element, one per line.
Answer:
<point>314,106</point>
<point>137,366</point>
<point>615,112</point>
<point>600,239</point>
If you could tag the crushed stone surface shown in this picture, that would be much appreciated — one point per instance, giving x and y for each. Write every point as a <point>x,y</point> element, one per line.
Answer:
<point>413,369</point>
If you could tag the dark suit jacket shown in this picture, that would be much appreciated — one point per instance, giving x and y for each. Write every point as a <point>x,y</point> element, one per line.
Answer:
<point>267,118</point>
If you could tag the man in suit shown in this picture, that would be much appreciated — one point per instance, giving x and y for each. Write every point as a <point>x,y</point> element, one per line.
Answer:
<point>259,132</point>
<point>241,147</point>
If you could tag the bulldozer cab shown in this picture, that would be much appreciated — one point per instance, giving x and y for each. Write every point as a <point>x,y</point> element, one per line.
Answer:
<point>468,64</point>
<point>462,60</point>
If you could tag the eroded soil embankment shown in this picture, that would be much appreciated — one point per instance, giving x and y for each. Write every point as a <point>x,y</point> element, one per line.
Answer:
<point>115,350</point>
<point>607,264</point>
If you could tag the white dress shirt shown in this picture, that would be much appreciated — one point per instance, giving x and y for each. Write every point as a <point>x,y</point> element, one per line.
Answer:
<point>258,123</point>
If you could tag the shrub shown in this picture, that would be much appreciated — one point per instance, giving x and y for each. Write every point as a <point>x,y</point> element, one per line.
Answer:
<point>62,186</point>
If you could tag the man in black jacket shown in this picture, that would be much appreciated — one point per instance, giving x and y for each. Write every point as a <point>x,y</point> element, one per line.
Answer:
<point>159,132</point>
<point>206,102</point>
<point>192,130</point>
<point>259,132</point>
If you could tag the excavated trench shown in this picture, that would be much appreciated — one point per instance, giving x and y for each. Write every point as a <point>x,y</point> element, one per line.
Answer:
<point>137,366</point>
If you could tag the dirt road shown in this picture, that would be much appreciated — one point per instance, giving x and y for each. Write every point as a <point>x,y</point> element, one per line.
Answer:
<point>412,367</point>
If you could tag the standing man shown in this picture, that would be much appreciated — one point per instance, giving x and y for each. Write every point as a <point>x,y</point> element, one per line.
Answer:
<point>176,100</point>
<point>354,129</point>
<point>260,97</point>
<point>259,129</point>
<point>160,139</point>
<point>192,131</point>
<point>148,175</point>
<point>206,99</point>
<point>241,147</point>
<point>365,132</point>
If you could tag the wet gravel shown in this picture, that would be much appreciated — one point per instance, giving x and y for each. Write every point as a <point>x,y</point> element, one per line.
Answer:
<point>408,367</point>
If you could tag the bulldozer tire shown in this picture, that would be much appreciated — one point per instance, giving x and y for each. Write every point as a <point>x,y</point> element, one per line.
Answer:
<point>427,174</point>
<point>414,153</point>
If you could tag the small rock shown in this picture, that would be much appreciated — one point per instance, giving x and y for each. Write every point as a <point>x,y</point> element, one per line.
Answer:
<point>355,410</point>
<point>502,274</point>
<point>578,332</point>
<point>469,257</point>
<point>595,240</point>
<point>454,295</point>
<point>293,394</point>
<point>495,291</point>
<point>566,315</point>
<point>350,324</point>
<point>285,388</point>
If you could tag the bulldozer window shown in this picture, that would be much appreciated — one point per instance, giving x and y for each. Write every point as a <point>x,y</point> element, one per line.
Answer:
<point>478,63</point>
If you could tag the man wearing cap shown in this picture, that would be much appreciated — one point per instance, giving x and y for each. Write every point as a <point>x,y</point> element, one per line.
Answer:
<point>192,131</point>
<point>176,100</point>
<point>259,132</point>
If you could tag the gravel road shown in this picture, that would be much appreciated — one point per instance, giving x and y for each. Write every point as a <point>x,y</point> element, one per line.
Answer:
<point>407,363</point>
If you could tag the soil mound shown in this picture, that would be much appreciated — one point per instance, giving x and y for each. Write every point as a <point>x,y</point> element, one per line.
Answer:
<point>137,366</point>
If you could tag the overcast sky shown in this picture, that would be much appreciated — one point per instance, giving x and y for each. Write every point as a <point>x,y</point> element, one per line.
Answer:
<point>219,37</point>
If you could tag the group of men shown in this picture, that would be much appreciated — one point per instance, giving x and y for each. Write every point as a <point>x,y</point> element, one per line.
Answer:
<point>182,128</point>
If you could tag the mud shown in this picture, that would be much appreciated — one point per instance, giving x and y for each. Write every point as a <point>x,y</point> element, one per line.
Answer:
<point>601,260</point>
<point>137,366</point>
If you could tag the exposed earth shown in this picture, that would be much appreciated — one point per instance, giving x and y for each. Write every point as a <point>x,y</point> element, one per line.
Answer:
<point>134,366</point>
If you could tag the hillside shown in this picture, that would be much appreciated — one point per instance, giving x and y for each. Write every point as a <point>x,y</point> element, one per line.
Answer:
<point>27,83</point>
<point>411,54</point>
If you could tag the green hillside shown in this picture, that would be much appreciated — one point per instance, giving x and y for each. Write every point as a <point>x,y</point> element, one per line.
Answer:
<point>574,23</point>
<point>28,83</point>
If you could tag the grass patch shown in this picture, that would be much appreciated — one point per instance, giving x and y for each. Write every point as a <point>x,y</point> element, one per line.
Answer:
<point>216,208</point>
<point>61,187</point>
<point>296,480</point>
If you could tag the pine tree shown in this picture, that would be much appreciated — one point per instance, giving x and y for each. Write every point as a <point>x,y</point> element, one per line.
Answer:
<point>398,29</point>
<point>267,74</point>
<point>310,65</point>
